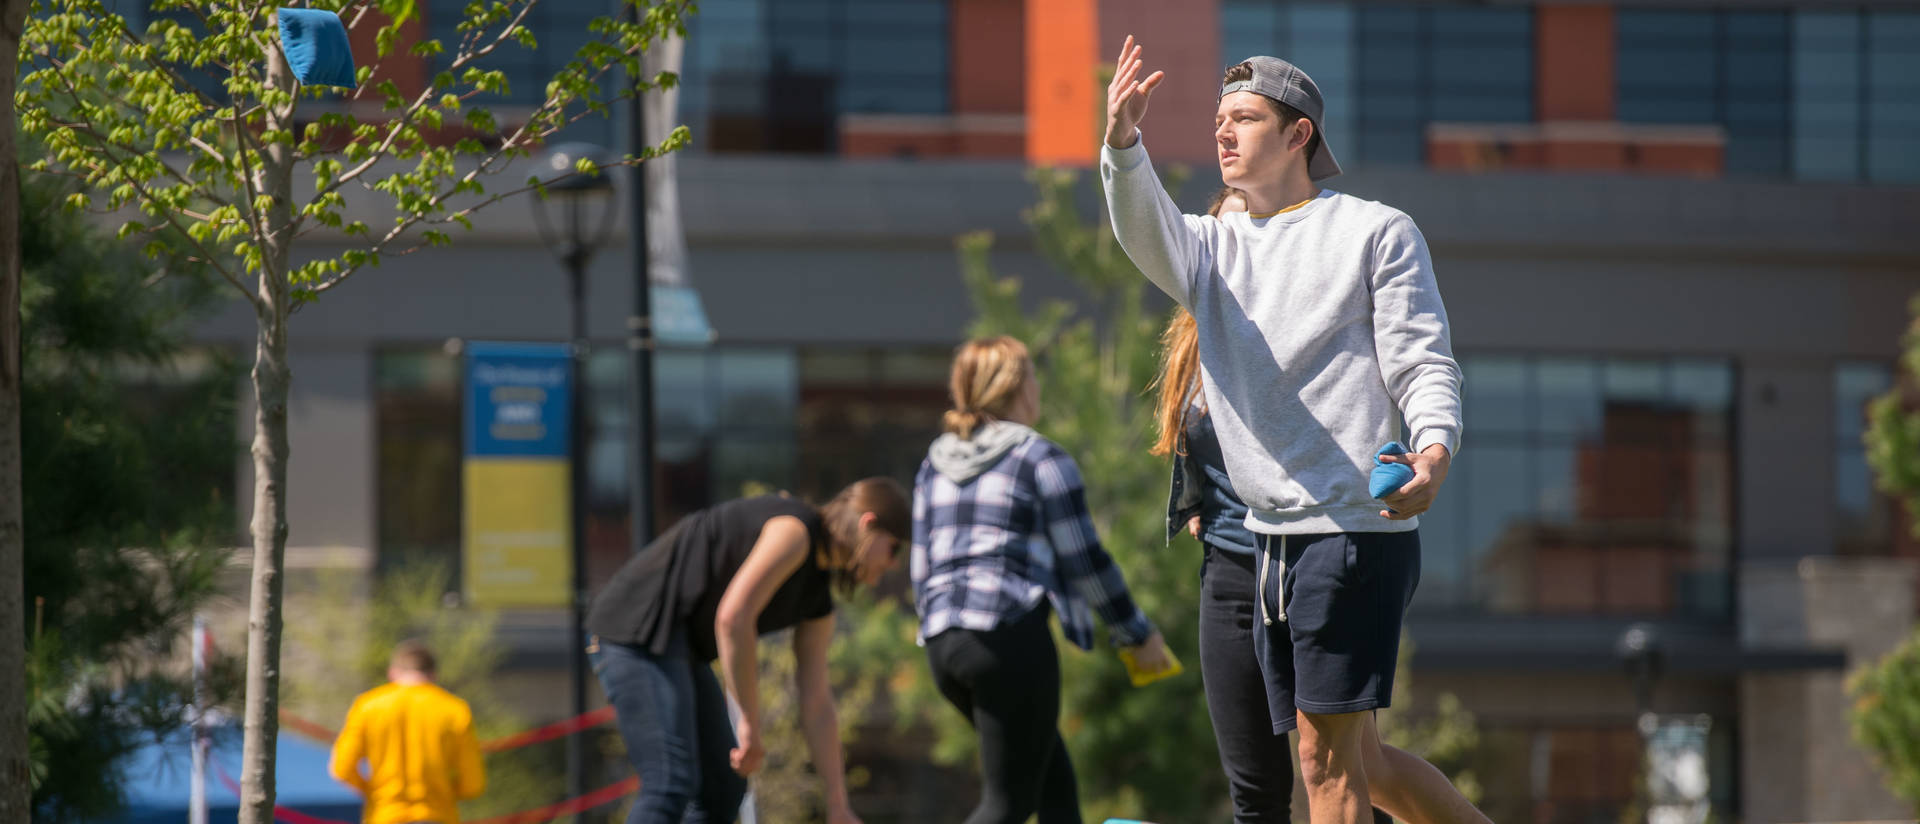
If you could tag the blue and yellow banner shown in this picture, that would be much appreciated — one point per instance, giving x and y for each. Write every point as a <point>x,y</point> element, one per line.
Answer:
<point>516,531</point>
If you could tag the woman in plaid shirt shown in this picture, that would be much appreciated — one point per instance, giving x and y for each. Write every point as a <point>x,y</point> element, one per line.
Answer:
<point>1000,536</point>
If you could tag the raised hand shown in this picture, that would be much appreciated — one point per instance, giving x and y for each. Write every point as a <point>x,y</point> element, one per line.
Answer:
<point>1127,97</point>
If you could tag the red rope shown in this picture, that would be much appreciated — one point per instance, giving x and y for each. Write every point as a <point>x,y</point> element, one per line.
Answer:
<point>550,731</point>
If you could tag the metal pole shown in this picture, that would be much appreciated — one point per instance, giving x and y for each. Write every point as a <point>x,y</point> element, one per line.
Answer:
<point>197,794</point>
<point>640,326</point>
<point>577,465</point>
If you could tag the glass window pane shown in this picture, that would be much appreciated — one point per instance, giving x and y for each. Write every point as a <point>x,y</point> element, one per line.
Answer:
<point>758,388</point>
<point>1498,526</point>
<point>1893,96</point>
<point>682,393</point>
<point>1391,68</point>
<point>1757,114</point>
<point>1641,381</point>
<point>1705,389</point>
<point>1826,95</point>
<point>742,463</point>
<point>1247,28</point>
<point>1860,512</point>
<point>609,425</point>
<point>1854,386</point>
<point>1321,41</point>
<point>1569,397</point>
<point>1495,390</point>
<point>1557,488</point>
<point>1667,69</point>
<point>1444,570</point>
<point>836,366</point>
<point>916,367</point>
<point>1481,65</point>
<point>417,409</point>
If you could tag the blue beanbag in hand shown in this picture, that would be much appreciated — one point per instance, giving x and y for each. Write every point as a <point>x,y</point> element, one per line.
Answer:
<point>1388,477</point>
<point>316,45</point>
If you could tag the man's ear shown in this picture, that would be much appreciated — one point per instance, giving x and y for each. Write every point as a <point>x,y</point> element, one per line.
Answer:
<point>1303,132</point>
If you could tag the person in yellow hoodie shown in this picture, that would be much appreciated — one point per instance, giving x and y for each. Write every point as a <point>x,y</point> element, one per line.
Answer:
<point>418,742</point>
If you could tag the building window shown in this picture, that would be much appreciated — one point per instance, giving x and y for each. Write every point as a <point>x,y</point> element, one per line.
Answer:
<point>1424,64</point>
<point>1826,95</point>
<point>868,412</point>
<point>765,76</point>
<point>417,472</point>
<point>1709,67</point>
<point>1595,486</point>
<point>560,30</point>
<point>1856,95</point>
<point>1863,516</point>
<point>1893,96</point>
<point>1668,67</point>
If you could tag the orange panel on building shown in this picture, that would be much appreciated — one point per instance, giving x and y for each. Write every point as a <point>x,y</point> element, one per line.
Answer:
<point>1063,102</point>
<point>1573,48</point>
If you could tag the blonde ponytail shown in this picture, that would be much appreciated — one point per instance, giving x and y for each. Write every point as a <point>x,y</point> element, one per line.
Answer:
<point>988,376</point>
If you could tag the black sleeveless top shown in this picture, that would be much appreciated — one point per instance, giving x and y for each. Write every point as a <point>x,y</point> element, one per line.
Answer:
<point>677,580</point>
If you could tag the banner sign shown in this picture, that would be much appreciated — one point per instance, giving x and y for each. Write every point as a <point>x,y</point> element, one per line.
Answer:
<point>516,527</point>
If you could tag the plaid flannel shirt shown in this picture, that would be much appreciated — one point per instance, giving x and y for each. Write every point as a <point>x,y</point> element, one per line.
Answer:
<point>985,552</point>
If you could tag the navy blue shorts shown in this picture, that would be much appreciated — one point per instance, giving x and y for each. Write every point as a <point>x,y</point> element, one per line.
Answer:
<point>1327,634</point>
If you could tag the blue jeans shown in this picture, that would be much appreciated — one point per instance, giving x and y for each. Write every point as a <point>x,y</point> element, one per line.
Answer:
<point>673,718</point>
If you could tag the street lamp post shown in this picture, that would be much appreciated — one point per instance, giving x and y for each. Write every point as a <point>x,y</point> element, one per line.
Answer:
<point>575,196</point>
<point>1643,654</point>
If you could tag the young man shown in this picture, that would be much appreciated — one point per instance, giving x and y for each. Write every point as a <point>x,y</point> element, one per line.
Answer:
<point>418,740</point>
<point>1320,327</point>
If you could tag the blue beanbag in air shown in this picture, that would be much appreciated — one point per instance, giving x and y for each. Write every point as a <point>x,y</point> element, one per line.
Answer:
<point>316,45</point>
<point>1388,477</point>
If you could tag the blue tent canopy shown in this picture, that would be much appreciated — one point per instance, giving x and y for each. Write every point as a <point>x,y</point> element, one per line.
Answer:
<point>159,778</point>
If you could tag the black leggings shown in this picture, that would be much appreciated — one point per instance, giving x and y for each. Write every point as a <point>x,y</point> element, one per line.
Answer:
<point>1007,683</point>
<point>1258,763</point>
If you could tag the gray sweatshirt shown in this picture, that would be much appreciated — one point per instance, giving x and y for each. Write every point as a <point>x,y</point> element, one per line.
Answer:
<point>1320,327</point>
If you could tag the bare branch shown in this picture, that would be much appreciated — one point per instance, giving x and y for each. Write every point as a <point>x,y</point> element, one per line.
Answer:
<point>208,149</point>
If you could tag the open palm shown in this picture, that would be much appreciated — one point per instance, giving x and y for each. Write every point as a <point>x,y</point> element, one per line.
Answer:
<point>1127,96</point>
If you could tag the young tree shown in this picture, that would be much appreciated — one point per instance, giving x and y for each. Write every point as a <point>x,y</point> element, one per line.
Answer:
<point>1893,429</point>
<point>1886,707</point>
<point>1886,717</point>
<point>196,127</point>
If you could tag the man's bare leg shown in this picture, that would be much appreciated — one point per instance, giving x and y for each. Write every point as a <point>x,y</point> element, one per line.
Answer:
<point>1406,786</point>
<point>1332,765</point>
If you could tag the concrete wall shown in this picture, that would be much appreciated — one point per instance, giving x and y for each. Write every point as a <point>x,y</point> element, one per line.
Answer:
<point>1800,762</point>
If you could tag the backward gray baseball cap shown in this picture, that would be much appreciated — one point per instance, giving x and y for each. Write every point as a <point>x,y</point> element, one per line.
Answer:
<point>1285,82</point>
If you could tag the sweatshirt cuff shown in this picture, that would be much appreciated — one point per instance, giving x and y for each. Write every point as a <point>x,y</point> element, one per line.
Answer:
<point>1127,158</point>
<point>1448,438</point>
<point>1132,632</point>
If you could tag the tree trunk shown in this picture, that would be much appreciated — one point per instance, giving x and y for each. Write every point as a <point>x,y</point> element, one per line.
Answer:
<point>16,786</point>
<point>271,378</point>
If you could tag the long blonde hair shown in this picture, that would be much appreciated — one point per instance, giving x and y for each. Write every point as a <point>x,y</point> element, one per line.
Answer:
<point>1179,377</point>
<point>988,377</point>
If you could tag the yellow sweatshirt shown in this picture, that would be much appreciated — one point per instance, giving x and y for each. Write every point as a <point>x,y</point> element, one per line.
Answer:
<point>418,740</point>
